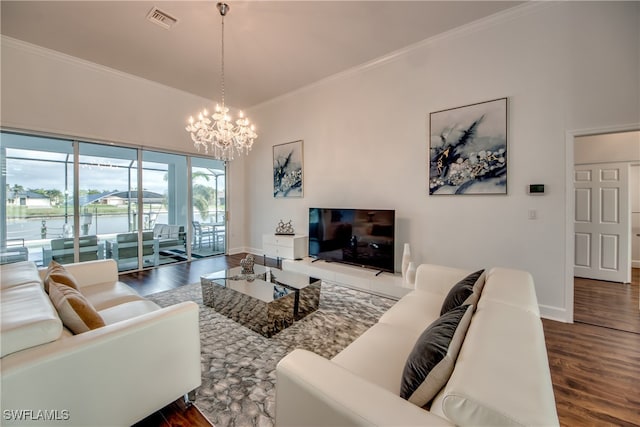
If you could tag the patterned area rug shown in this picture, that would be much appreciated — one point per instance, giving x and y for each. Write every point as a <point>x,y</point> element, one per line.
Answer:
<point>238,365</point>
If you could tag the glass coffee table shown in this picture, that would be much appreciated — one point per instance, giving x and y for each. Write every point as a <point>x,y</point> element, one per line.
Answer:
<point>266,301</point>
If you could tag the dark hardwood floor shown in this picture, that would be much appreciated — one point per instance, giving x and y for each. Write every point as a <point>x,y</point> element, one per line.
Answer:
<point>168,277</point>
<point>608,304</point>
<point>595,369</point>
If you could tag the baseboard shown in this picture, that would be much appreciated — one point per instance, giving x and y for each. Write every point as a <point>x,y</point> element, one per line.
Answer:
<point>247,250</point>
<point>236,251</point>
<point>554,313</point>
<point>635,264</point>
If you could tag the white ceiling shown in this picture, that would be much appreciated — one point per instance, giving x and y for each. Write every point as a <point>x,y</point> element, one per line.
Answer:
<point>271,47</point>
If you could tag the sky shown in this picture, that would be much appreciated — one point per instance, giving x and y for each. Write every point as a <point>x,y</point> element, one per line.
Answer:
<point>102,176</point>
<point>39,163</point>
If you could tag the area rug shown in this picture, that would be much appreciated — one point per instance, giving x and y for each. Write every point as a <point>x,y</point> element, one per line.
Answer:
<point>238,365</point>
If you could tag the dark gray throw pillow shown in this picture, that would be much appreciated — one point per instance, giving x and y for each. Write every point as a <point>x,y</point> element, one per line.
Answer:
<point>460,292</point>
<point>433,357</point>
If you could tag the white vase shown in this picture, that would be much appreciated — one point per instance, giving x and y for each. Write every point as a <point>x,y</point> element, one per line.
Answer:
<point>411,274</point>
<point>406,259</point>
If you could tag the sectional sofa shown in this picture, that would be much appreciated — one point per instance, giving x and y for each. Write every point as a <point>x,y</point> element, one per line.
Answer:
<point>499,376</point>
<point>139,359</point>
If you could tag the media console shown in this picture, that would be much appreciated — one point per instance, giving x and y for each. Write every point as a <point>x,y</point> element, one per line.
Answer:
<point>284,247</point>
<point>385,284</point>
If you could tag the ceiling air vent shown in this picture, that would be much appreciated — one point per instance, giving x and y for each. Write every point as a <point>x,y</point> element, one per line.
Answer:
<point>161,18</point>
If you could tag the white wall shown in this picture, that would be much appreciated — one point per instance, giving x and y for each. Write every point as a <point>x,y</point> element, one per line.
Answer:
<point>564,66</point>
<point>46,91</point>
<point>609,148</point>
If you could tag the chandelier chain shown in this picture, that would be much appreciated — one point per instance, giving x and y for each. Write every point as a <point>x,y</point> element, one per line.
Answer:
<point>218,134</point>
<point>222,62</point>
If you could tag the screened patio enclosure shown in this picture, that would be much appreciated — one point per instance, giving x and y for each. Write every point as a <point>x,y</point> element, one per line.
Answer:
<point>70,200</point>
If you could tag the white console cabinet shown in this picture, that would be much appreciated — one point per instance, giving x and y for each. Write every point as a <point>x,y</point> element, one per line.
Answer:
<point>386,284</point>
<point>285,247</point>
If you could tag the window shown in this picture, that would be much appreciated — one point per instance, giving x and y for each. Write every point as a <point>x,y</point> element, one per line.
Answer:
<point>108,204</point>
<point>36,185</point>
<point>165,184</point>
<point>139,216</point>
<point>208,196</point>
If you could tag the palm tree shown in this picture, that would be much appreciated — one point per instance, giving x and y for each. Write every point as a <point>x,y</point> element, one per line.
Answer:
<point>203,195</point>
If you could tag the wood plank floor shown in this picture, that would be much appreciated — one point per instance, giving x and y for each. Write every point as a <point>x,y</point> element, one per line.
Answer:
<point>613,305</point>
<point>595,370</point>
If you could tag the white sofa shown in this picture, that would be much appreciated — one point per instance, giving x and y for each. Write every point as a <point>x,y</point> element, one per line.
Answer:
<point>143,359</point>
<point>501,375</point>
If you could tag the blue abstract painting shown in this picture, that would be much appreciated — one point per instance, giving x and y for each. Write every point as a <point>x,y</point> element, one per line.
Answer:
<point>287,169</point>
<point>468,149</point>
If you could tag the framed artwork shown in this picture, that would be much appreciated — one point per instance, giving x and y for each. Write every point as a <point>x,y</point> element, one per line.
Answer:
<point>468,149</point>
<point>287,169</point>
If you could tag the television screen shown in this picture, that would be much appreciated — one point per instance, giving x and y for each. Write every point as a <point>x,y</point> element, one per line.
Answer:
<point>362,237</point>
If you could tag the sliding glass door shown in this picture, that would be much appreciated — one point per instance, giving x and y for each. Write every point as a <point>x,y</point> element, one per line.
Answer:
<point>165,179</point>
<point>108,205</point>
<point>36,186</point>
<point>208,181</point>
<point>72,201</point>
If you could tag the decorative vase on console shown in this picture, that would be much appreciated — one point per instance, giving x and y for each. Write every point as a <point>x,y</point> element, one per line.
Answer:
<point>406,259</point>
<point>410,279</point>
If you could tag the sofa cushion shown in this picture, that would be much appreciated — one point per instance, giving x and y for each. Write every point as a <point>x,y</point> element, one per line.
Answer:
<point>27,318</point>
<point>105,295</point>
<point>379,355</point>
<point>513,389</point>
<point>433,357</point>
<point>76,312</point>
<point>158,231</point>
<point>463,292</point>
<point>172,232</point>
<point>127,310</point>
<point>415,311</point>
<point>18,273</point>
<point>60,275</point>
<point>513,287</point>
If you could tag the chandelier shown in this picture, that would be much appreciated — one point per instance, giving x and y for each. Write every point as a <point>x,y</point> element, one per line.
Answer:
<point>218,135</point>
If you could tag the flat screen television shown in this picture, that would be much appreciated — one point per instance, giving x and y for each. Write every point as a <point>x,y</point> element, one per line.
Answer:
<point>362,237</point>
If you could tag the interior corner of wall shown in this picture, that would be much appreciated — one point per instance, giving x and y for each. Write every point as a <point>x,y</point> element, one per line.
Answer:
<point>559,314</point>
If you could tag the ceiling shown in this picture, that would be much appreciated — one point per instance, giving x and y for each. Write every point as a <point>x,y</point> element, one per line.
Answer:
<point>271,47</point>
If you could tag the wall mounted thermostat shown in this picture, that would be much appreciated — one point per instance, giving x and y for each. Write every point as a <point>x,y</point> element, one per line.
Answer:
<point>535,189</point>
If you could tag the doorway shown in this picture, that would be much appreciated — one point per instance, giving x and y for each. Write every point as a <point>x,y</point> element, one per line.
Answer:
<point>606,226</point>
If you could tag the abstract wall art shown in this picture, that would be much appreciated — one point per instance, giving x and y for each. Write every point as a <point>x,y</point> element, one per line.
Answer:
<point>468,149</point>
<point>287,169</point>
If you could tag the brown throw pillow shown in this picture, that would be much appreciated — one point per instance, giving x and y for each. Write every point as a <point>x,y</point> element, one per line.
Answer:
<point>60,275</point>
<point>75,311</point>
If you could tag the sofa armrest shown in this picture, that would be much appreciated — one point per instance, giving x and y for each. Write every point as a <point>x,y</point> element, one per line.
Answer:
<point>314,391</point>
<point>91,273</point>
<point>438,278</point>
<point>114,375</point>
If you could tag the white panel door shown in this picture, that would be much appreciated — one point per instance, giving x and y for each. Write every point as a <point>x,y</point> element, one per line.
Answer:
<point>602,222</point>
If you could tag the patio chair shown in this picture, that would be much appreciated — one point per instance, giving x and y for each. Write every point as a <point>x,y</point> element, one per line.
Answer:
<point>199,232</point>
<point>125,247</point>
<point>62,250</point>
